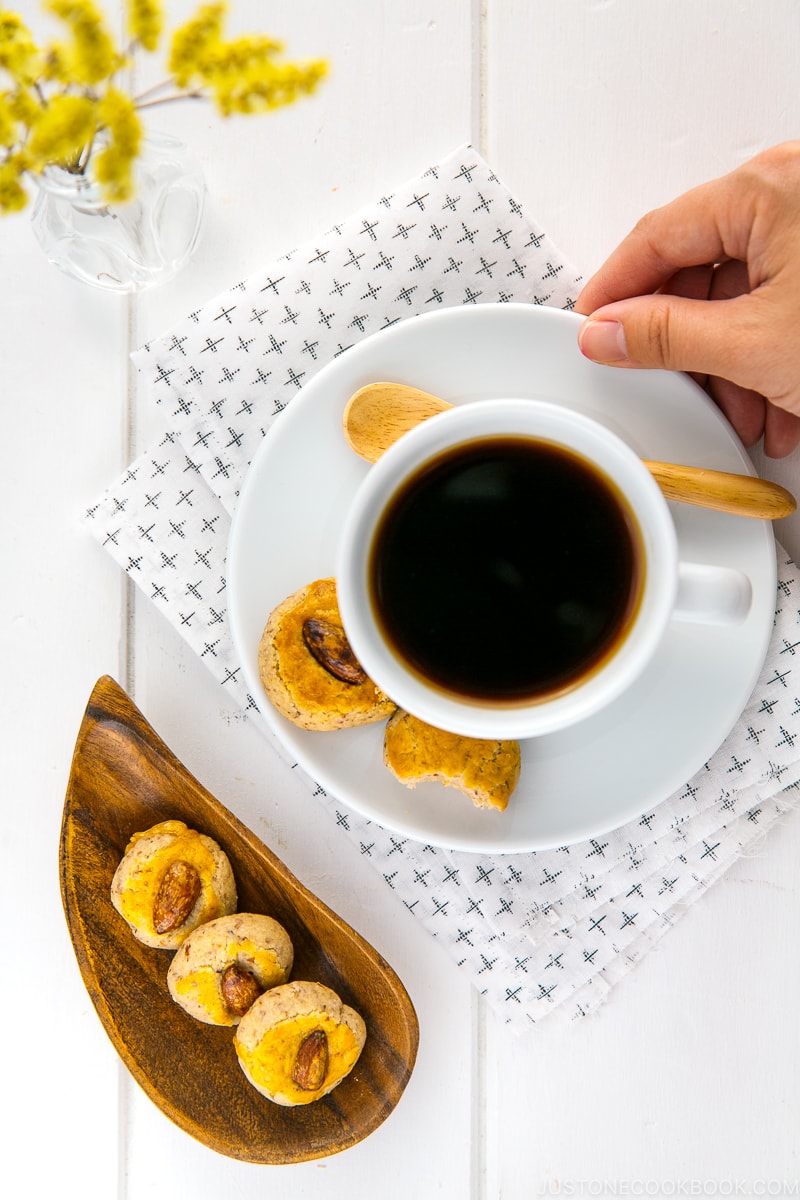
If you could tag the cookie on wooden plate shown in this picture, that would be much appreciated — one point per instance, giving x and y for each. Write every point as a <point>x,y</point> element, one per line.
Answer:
<point>170,880</point>
<point>298,1041</point>
<point>487,771</point>
<point>307,666</point>
<point>225,965</point>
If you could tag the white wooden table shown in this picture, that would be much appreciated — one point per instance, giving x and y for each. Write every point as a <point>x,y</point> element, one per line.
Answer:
<point>592,111</point>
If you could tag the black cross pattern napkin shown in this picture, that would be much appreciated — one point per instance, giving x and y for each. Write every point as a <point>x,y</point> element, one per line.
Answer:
<point>546,934</point>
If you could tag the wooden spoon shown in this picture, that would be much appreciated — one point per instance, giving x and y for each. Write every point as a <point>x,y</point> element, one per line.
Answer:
<point>124,779</point>
<point>380,413</point>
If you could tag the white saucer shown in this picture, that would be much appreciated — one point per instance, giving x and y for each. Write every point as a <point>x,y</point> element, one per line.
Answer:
<point>607,770</point>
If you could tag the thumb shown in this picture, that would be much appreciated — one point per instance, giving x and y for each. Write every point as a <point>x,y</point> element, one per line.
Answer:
<point>672,332</point>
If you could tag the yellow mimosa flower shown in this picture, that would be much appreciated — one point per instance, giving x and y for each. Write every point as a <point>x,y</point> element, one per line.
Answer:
<point>91,56</point>
<point>145,22</point>
<point>113,165</point>
<point>8,122</point>
<point>24,106</point>
<point>18,52</point>
<point>241,75</point>
<point>63,104</point>
<point>262,86</point>
<point>241,54</point>
<point>64,128</point>
<point>13,196</point>
<point>193,42</point>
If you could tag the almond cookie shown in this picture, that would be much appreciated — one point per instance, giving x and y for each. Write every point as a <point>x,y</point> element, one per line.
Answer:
<point>171,880</point>
<point>486,771</point>
<point>307,667</point>
<point>225,965</point>
<point>298,1041</point>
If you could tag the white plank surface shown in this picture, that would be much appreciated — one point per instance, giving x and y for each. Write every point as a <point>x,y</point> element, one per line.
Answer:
<point>598,112</point>
<point>592,112</point>
<point>61,620</point>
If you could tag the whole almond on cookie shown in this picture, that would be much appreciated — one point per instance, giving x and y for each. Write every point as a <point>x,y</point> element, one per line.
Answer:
<point>240,989</point>
<point>176,897</point>
<point>328,642</point>
<point>311,1064</point>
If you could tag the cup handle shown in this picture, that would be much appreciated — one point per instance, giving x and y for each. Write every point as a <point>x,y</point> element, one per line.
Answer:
<point>710,595</point>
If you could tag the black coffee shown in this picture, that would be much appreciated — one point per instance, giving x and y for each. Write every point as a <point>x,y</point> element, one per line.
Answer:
<point>505,570</point>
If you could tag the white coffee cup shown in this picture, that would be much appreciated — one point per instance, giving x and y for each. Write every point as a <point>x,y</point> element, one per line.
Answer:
<point>662,587</point>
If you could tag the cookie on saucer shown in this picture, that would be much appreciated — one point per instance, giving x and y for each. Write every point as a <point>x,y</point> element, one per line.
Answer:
<point>484,770</point>
<point>307,666</point>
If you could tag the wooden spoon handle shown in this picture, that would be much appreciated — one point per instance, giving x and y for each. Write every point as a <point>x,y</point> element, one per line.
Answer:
<point>380,413</point>
<point>744,495</point>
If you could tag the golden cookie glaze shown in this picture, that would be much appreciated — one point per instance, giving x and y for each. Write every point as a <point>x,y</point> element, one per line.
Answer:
<point>252,942</point>
<point>487,771</point>
<point>298,685</point>
<point>270,1035</point>
<point>148,857</point>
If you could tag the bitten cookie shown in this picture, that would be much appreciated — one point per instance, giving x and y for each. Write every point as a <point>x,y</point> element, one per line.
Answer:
<point>225,965</point>
<point>298,1041</point>
<point>171,880</point>
<point>486,771</point>
<point>307,667</point>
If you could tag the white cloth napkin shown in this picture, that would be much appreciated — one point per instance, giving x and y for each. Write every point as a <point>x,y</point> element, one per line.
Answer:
<point>544,934</point>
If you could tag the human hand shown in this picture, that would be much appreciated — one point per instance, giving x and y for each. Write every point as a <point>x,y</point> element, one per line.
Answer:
<point>710,284</point>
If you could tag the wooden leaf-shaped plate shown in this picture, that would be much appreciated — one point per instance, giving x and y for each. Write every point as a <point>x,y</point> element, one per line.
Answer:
<point>124,779</point>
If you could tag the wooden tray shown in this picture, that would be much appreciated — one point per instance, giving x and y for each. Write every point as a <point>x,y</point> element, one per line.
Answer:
<point>124,779</point>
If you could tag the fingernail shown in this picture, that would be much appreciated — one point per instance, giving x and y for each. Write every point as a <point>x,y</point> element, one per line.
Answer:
<point>603,341</point>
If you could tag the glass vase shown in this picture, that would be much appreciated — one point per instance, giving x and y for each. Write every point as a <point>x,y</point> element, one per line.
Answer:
<point>129,246</point>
